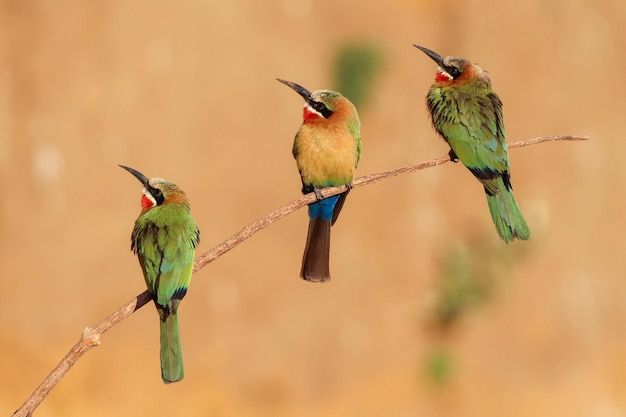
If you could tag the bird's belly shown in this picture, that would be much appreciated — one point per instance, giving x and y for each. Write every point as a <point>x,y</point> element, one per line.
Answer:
<point>324,164</point>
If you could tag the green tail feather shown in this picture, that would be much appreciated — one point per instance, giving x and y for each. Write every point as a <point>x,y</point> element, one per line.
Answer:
<point>171,350</point>
<point>507,216</point>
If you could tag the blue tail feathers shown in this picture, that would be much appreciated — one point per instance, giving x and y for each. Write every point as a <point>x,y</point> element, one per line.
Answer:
<point>323,208</point>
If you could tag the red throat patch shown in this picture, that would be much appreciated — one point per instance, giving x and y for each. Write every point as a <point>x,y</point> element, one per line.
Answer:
<point>441,77</point>
<point>146,203</point>
<point>309,115</point>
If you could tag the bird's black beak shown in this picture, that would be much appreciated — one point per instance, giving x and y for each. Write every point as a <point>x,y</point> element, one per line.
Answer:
<point>306,94</point>
<point>432,54</point>
<point>142,178</point>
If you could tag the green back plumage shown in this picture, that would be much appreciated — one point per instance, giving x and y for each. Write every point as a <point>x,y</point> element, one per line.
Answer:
<point>468,115</point>
<point>164,238</point>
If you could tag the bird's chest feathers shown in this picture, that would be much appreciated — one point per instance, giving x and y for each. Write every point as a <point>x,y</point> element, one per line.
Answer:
<point>326,154</point>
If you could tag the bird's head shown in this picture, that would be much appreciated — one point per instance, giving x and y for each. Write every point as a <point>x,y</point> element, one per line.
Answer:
<point>453,70</point>
<point>320,104</point>
<point>157,191</point>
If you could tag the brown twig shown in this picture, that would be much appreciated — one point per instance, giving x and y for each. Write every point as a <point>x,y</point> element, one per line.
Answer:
<point>91,335</point>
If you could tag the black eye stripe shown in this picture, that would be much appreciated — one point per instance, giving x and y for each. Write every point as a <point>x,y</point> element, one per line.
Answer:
<point>321,108</point>
<point>157,195</point>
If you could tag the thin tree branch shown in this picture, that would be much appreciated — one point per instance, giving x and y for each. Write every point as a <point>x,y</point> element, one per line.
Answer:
<point>91,335</point>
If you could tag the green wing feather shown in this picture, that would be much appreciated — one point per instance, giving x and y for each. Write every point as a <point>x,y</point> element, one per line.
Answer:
<point>165,239</point>
<point>472,125</point>
<point>177,261</point>
<point>469,117</point>
<point>354,127</point>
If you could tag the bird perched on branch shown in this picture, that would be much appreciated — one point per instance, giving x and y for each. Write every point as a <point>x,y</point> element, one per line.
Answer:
<point>327,149</point>
<point>164,238</point>
<point>468,114</point>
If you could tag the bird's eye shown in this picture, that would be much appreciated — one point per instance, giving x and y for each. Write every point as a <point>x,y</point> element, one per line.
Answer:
<point>157,193</point>
<point>454,72</point>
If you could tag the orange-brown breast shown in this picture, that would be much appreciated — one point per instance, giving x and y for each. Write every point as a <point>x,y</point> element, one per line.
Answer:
<point>327,152</point>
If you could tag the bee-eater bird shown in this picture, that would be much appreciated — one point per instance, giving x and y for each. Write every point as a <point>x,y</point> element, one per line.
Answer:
<point>327,149</point>
<point>468,115</point>
<point>164,238</point>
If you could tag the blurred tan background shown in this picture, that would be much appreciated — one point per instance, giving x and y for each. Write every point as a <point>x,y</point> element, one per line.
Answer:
<point>186,91</point>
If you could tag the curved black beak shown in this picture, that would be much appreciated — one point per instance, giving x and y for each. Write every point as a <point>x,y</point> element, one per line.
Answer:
<point>142,178</point>
<point>306,94</point>
<point>432,54</point>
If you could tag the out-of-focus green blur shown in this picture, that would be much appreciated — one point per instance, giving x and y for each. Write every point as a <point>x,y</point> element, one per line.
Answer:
<point>186,91</point>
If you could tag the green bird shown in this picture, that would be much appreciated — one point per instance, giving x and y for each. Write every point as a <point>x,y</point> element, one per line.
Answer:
<point>164,238</point>
<point>467,113</point>
<point>327,149</point>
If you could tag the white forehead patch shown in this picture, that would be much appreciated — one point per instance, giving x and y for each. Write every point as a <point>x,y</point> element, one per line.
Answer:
<point>154,182</point>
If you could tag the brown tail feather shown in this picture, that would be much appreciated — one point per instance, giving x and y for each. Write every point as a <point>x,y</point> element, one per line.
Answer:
<point>315,262</point>
<point>339,206</point>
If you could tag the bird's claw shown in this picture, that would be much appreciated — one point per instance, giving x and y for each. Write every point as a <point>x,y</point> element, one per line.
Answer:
<point>318,194</point>
<point>453,156</point>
